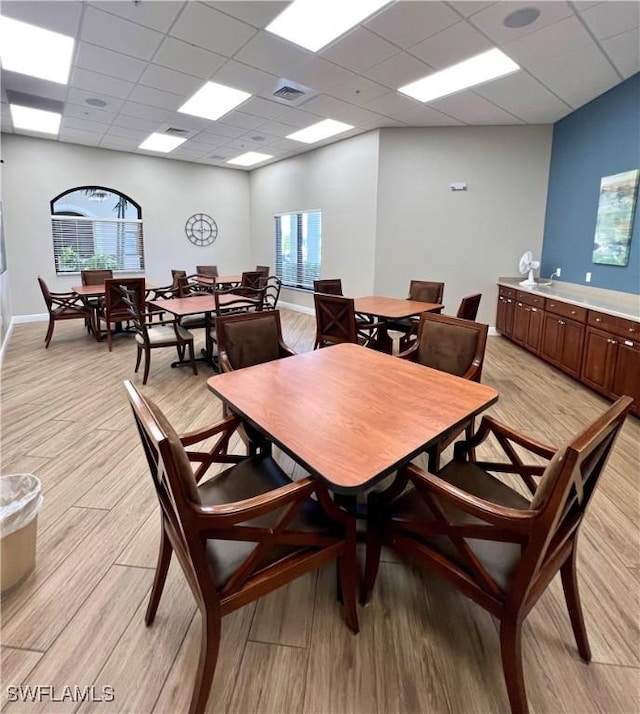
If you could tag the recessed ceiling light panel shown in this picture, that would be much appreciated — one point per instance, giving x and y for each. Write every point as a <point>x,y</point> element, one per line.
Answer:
<point>213,101</point>
<point>34,51</point>
<point>313,24</point>
<point>162,143</point>
<point>37,120</point>
<point>249,159</point>
<point>469,73</point>
<point>322,130</point>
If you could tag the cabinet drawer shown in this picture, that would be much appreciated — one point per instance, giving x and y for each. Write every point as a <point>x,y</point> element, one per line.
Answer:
<point>616,325</point>
<point>573,312</point>
<point>507,292</point>
<point>529,299</point>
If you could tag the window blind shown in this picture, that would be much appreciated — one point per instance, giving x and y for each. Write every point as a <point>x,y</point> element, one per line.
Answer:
<point>90,243</point>
<point>298,247</point>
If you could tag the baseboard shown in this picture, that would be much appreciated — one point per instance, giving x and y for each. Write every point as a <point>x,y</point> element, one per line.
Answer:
<point>40,317</point>
<point>5,342</point>
<point>493,332</point>
<point>297,308</point>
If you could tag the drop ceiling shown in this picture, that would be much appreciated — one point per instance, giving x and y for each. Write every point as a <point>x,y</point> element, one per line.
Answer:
<point>144,59</point>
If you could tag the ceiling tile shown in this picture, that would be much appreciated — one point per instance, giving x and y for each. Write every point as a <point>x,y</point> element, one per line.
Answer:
<point>319,74</point>
<point>450,46</point>
<point>197,147</point>
<point>156,98</point>
<point>325,106</point>
<point>259,14</point>
<point>186,121</point>
<point>384,122</point>
<point>119,143</point>
<point>612,18</point>
<point>623,52</point>
<point>72,122</point>
<point>425,116</point>
<point>468,7</point>
<point>114,33</point>
<point>240,119</point>
<point>286,145</point>
<point>134,135</point>
<point>264,139</point>
<point>405,23</point>
<point>84,111</point>
<point>357,116</point>
<point>298,118</point>
<point>144,111</point>
<point>170,81</point>
<point>33,85</point>
<point>490,20</point>
<point>184,57</point>
<point>551,41</point>
<point>277,128</point>
<point>241,76</point>
<point>62,17</point>
<point>156,15</point>
<point>89,137</point>
<point>94,82</point>
<point>212,141</point>
<point>399,70</point>
<point>392,103</point>
<point>98,59</point>
<point>263,108</point>
<point>470,108</point>
<point>208,28</point>
<point>127,122</point>
<point>231,132</point>
<point>271,54</point>
<point>359,90</point>
<point>577,77</point>
<point>79,96</point>
<point>359,50</point>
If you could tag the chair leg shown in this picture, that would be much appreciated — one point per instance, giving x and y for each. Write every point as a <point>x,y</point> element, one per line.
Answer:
<point>192,358</point>
<point>372,560</point>
<point>209,647</point>
<point>109,337</point>
<point>569,576</point>
<point>162,567</point>
<point>49,335</point>
<point>468,433</point>
<point>138,358</point>
<point>147,364</point>
<point>347,569</point>
<point>511,650</point>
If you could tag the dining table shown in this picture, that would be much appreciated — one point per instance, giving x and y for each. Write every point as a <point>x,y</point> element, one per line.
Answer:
<point>208,281</point>
<point>389,309</point>
<point>349,415</point>
<point>99,290</point>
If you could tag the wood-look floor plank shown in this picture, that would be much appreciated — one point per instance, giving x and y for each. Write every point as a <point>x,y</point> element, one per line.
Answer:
<point>81,650</point>
<point>271,680</point>
<point>15,666</point>
<point>142,549</point>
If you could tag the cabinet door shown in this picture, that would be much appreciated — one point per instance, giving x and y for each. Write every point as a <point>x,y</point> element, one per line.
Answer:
<point>520,322</point>
<point>501,313</point>
<point>626,372</point>
<point>572,342</point>
<point>508,317</point>
<point>534,333</point>
<point>598,363</point>
<point>551,345</point>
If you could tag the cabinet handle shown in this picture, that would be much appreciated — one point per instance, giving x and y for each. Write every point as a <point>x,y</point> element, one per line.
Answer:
<point>628,343</point>
<point>561,322</point>
<point>598,319</point>
<point>527,309</point>
<point>632,329</point>
<point>534,309</point>
<point>508,300</point>
<point>573,312</point>
<point>612,342</point>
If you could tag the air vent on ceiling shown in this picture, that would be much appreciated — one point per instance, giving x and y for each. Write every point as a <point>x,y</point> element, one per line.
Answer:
<point>176,131</point>
<point>291,94</point>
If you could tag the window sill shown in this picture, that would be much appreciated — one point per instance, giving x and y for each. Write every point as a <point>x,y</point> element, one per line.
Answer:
<point>308,291</point>
<point>115,272</point>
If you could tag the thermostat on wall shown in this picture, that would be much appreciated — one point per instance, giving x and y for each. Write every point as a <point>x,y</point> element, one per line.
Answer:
<point>458,186</point>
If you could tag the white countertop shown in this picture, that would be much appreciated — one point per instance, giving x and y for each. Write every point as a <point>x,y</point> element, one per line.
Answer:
<point>621,304</point>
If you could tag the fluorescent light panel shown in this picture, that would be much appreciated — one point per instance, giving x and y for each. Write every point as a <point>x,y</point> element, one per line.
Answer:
<point>322,130</point>
<point>162,143</point>
<point>315,23</point>
<point>35,119</point>
<point>213,101</point>
<point>34,51</point>
<point>475,70</point>
<point>249,159</point>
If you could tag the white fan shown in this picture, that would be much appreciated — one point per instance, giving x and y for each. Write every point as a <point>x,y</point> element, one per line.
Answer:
<point>528,264</point>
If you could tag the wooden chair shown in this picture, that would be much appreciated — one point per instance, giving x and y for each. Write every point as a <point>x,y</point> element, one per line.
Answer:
<point>454,346</point>
<point>250,338</point>
<point>328,287</point>
<point>272,286</point>
<point>114,311</point>
<point>95,277</point>
<point>237,536</point>
<point>241,301</point>
<point>151,335</point>
<point>336,322</point>
<point>264,270</point>
<point>210,271</point>
<point>251,279</point>
<point>65,306</point>
<point>422,291</point>
<point>497,547</point>
<point>469,307</point>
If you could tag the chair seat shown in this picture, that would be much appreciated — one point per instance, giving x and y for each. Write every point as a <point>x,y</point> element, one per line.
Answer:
<point>194,321</point>
<point>253,477</point>
<point>165,335</point>
<point>498,558</point>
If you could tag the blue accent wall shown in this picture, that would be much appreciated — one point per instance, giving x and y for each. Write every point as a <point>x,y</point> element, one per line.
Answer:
<point>600,139</point>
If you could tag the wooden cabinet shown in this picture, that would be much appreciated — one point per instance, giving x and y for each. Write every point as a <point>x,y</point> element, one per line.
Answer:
<point>598,362</point>
<point>562,342</point>
<point>520,322</point>
<point>534,330</point>
<point>626,372</point>
<point>506,307</point>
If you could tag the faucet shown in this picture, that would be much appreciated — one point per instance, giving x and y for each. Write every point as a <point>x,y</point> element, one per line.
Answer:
<point>553,275</point>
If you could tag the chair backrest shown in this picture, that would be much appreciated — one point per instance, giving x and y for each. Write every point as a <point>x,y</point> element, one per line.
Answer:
<point>264,270</point>
<point>175,276</point>
<point>251,279</point>
<point>115,308</point>
<point>249,338</point>
<point>451,345</point>
<point>237,300</point>
<point>208,270</point>
<point>95,277</point>
<point>46,293</point>
<point>135,314</point>
<point>335,319</point>
<point>425,291</point>
<point>564,492</point>
<point>271,286</point>
<point>328,287</point>
<point>469,307</point>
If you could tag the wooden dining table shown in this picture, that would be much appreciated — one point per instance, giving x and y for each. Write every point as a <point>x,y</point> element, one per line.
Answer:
<point>350,415</point>
<point>211,282</point>
<point>389,309</point>
<point>99,290</point>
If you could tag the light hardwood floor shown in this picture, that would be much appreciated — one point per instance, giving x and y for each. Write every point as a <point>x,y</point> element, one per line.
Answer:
<point>78,620</point>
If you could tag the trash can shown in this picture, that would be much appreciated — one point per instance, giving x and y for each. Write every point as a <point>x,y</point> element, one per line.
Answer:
<point>20,502</point>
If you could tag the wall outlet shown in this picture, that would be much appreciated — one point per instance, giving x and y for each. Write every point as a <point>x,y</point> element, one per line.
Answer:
<point>587,278</point>
<point>558,272</point>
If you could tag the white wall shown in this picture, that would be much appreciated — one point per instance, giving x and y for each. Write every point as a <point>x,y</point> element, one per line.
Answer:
<point>5,300</point>
<point>341,181</point>
<point>464,239</point>
<point>36,170</point>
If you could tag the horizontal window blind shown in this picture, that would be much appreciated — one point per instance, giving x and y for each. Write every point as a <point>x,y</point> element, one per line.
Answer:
<point>90,243</point>
<point>298,247</point>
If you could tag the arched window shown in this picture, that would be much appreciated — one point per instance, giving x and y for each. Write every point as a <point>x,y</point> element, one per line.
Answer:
<point>96,227</point>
